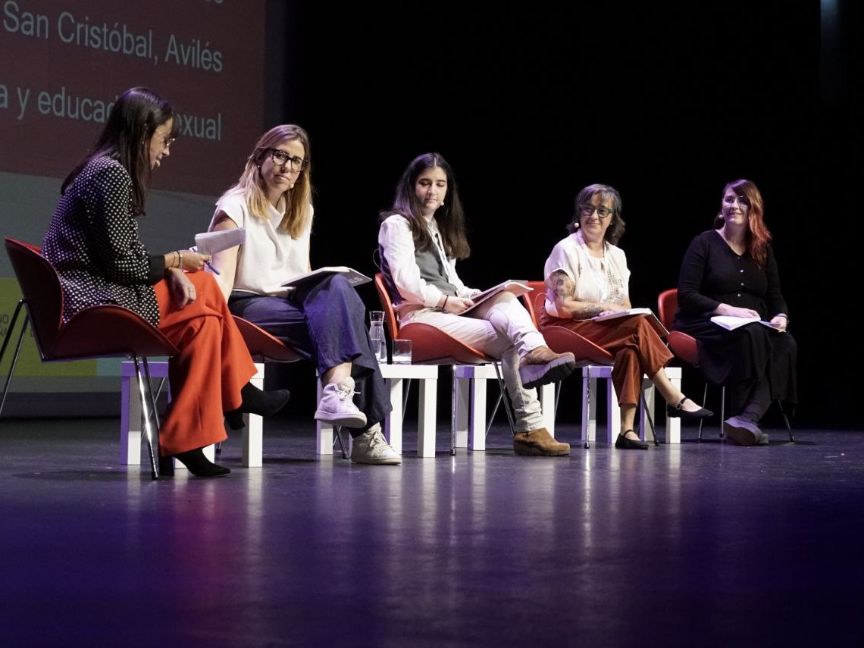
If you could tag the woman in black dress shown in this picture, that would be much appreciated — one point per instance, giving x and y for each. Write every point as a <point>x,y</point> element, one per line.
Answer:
<point>731,271</point>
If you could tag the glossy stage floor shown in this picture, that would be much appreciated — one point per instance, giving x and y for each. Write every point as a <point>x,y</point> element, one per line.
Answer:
<point>697,544</point>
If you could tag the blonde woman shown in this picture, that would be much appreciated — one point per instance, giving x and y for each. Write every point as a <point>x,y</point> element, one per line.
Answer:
<point>272,200</point>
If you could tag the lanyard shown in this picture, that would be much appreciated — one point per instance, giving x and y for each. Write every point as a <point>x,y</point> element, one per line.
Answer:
<point>439,248</point>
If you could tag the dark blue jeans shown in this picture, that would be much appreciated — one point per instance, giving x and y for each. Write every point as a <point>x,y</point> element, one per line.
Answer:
<point>328,324</point>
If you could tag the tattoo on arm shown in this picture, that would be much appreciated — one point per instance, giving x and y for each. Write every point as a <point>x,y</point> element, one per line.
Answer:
<point>562,285</point>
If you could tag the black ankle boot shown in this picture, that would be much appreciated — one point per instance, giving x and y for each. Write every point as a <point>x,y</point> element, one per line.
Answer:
<point>195,461</point>
<point>257,402</point>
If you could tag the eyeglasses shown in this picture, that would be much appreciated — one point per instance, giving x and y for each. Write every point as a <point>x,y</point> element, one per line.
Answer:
<point>168,141</point>
<point>602,212</point>
<point>283,159</point>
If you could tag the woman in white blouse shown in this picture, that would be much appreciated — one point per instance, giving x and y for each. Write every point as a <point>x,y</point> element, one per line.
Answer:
<point>587,275</point>
<point>420,239</point>
<point>272,201</point>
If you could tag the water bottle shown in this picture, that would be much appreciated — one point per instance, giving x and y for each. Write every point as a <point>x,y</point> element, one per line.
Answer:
<point>376,336</point>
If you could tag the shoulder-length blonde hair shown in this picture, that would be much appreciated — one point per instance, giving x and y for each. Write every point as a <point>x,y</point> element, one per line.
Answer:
<point>297,201</point>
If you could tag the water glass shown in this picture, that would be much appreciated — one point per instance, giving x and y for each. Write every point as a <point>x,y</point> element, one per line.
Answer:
<point>401,351</point>
<point>376,335</point>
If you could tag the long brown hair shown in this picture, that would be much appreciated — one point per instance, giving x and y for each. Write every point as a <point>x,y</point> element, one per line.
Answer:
<point>757,237</point>
<point>134,117</point>
<point>450,216</point>
<point>297,210</point>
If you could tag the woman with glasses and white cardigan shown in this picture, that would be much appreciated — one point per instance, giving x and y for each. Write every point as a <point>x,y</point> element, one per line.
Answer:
<point>587,275</point>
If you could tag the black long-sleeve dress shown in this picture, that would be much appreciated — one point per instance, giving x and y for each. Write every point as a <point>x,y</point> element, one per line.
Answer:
<point>711,274</point>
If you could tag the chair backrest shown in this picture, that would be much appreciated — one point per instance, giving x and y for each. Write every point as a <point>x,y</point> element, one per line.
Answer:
<point>97,331</point>
<point>387,304</point>
<point>667,305</point>
<point>40,287</point>
<point>535,300</point>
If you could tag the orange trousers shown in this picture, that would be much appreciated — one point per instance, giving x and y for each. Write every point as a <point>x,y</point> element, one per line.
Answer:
<point>632,341</point>
<point>212,367</point>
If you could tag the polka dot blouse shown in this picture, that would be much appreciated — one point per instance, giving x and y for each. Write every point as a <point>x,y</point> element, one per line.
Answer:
<point>93,244</point>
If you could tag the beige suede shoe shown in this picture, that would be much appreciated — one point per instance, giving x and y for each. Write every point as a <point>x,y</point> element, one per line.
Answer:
<point>542,365</point>
<point>538,443</point>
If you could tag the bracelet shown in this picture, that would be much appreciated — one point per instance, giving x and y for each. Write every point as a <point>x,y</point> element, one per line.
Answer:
<point>784,315</point>
<point>179,259</point>
<point>444,305</point>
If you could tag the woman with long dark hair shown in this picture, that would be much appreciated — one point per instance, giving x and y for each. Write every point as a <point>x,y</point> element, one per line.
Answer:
<point>420,239</point>
<point>731,270</point>
<point>93,244</point>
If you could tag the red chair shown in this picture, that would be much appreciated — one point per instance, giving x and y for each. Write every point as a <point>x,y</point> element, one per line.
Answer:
<point>686,348</point>
<point>95,332</point>
<point>431,345</point>
<point>595,362</point>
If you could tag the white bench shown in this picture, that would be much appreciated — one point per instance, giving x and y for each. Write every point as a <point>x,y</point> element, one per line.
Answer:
<point>591,374</point>
<point>469,405</point>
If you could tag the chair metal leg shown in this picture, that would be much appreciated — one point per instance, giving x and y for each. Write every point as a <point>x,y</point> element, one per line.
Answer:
<point>148,410</point>
<point>337,432</point>
<point>494,412</point>
<point>17,351</point>
<point>152,395</point>
<point>786,420</point>
<point>705,400</point>
<point>407,386</point>
<point>648,417</point>
<point>586,380</point>
<point>559,388</point>
<point>11,328</point>
<point>508,406</point>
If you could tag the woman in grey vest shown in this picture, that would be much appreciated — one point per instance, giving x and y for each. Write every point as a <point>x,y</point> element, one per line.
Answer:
<point>420,239</point>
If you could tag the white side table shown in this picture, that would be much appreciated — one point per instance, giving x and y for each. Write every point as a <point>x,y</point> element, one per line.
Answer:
<point>394,375</point>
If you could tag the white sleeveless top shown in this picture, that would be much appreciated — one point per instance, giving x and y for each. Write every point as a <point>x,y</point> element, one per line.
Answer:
<point>270,256</point>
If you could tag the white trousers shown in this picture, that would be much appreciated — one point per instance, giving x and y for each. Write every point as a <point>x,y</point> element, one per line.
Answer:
<point>502,330</point>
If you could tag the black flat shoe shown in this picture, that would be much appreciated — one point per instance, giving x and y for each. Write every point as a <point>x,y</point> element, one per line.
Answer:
<point>678,411</point>
<point>623,443</point>
<point>195,461</point>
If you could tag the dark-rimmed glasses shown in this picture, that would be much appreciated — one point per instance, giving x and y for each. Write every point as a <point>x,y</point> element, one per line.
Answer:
<point>283,158</point>
<point>587,211</point>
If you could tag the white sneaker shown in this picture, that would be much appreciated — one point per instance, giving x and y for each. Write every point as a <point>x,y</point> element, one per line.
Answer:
<point>742,431</point>
<point>372,448</point>
<point>337,405</point>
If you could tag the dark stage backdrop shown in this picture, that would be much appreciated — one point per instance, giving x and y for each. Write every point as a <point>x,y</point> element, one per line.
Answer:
<point>667,102</point>
<point>529,102</point>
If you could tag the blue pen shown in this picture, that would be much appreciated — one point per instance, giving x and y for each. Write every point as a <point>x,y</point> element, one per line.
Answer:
<point>210,265</point>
